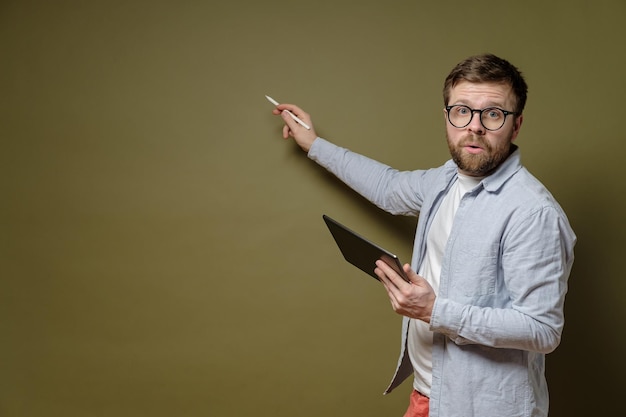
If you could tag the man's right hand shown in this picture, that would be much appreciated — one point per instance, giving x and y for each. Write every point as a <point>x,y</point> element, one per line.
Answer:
<point>304,137</point>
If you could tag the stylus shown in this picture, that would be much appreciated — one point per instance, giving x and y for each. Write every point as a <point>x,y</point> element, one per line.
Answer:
<point>293,116</point>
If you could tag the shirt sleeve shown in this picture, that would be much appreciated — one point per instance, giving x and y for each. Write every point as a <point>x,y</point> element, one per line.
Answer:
<point>537,256</point>
<point>397,192</point>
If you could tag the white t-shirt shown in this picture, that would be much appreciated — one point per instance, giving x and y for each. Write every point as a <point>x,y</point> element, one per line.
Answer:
<point>420,339</point>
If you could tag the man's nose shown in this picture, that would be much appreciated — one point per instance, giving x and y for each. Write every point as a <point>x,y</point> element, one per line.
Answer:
<point>476,125</point>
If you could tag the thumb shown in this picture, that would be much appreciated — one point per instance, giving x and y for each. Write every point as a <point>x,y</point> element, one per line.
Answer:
<point>412,275</point>
<point>409,273</point>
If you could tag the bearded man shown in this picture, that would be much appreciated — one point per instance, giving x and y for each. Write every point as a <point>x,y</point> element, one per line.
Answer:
<point>492,254</point>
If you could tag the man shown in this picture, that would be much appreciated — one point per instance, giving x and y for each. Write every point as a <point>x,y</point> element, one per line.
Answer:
<point>493,252</point>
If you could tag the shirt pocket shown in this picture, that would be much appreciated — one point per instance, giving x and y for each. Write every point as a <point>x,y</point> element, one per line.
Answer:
<point>475,268</point>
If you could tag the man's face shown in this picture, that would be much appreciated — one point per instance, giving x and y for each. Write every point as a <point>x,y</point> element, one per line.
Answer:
<point>476,150</point>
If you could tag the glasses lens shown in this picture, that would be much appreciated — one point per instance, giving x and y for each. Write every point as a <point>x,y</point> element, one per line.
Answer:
<point>459,116</point>
<point>492,118</point>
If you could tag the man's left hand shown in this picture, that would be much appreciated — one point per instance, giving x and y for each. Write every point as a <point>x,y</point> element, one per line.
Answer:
<point>414,299</point>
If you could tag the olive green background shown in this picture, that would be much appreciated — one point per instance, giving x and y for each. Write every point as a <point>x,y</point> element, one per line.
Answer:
<point>162,248</point>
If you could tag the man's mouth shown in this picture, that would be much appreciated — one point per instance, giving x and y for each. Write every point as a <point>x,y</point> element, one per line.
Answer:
<point>472,148</point>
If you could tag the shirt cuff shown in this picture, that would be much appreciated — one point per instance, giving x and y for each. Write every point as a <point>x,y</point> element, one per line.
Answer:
<point>446,317</point>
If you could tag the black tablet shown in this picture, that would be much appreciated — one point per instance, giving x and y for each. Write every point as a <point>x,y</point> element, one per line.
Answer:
<point>361,252</point>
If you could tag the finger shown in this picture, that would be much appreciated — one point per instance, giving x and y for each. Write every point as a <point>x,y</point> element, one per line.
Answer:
<point>387,284</point>
<point>289,121</point>
<point>393,293</point>
<point>393,277</point>
<point>286,132</point>
<point>297,113</point>
<point>294,109</point>
<point>382,276</point>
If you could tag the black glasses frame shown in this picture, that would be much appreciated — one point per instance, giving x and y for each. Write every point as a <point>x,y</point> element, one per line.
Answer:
<point>480,117</point>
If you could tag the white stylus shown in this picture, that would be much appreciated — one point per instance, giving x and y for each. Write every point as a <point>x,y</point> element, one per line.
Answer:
<point>293,116</point>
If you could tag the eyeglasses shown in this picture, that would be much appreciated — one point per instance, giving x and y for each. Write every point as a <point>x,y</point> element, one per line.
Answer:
<point>492,118</point>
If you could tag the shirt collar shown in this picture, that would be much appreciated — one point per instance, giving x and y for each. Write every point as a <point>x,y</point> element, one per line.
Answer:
<point>506,170</point>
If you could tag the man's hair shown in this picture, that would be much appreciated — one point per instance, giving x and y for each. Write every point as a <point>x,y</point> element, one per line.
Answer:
<point>488,68</point>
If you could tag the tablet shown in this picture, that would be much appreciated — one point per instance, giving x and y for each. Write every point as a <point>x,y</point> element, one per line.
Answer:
<point>361,252</point>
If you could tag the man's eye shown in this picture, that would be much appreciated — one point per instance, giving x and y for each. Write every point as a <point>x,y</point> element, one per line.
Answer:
<point>494,114</point>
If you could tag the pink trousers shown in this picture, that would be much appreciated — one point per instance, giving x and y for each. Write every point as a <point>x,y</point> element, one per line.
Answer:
<point>418,405</point>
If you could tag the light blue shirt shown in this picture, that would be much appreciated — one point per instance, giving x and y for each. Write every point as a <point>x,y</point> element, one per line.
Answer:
<point>499,308</point>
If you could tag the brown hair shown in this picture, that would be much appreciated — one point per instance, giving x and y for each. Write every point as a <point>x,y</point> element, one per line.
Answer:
<point>488,68</point>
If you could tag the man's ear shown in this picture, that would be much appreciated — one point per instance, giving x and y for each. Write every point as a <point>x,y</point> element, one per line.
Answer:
<point>517,126</point>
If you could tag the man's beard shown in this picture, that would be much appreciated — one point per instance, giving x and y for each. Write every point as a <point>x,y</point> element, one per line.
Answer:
<point>481,164</point>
